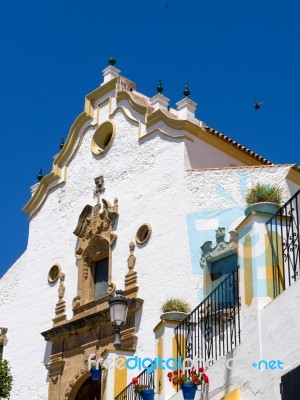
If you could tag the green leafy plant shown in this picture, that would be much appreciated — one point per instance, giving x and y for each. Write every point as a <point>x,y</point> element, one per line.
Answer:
<point>264,193</point>
<point>6,379</point>
<point>175,304</point>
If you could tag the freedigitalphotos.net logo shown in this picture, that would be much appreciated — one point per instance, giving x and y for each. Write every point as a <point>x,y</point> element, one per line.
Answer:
<point>264,365</point>
<point>174,364</point>
<point>148,364</point>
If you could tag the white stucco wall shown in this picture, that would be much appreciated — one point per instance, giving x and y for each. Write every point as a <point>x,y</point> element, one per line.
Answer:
<point>199,155</point>
<point>149,179</point>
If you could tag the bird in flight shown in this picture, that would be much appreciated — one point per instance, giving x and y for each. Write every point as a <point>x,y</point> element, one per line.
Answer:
<point>257,104</point>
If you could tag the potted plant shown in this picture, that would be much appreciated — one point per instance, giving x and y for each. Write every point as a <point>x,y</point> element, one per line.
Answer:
<point>144,391</point>
<point>175,309</point>
<point>188,383</point>
<point>96,371</point>
<point>264,198</point>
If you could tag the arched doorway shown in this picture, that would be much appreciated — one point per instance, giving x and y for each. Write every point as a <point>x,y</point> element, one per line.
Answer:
<point>89,390</point>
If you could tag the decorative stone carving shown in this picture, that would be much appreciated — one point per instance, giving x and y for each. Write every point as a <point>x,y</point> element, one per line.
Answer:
<point>60,309</point>
<point>3,337</point>
<point>76,302</point>
<point>222,248</point>
<point>132,258</point>
<point>131,287</point>
<point>61,288</point>
<point>96,239</point>
<point>85,268</point>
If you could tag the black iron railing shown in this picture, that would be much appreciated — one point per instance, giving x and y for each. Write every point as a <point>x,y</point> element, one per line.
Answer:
<point>212,329</point>
<point>284,232</point>
<point>144,378</point>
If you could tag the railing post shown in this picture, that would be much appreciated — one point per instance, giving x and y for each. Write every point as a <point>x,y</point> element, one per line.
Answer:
<point>166,355</point>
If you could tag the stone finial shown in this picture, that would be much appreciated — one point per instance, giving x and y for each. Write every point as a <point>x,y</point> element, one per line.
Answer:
<point>60,309</point>
<point>61,288</point>
<point>159,88</point>
<point>186,91</point>
<point>40,175</point>
<point>112,61</point>
<point>131,258</point>
<point>131,287</point>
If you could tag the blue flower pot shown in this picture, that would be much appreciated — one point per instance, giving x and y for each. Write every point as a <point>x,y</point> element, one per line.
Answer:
<point>95,374</point>
<point>147,394</point>
<point>188,390</point>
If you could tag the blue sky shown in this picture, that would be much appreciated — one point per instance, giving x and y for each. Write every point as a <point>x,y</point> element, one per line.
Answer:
<point>231,53</point>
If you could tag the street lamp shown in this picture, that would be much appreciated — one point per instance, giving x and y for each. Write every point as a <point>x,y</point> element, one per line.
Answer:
<point>118,307</point>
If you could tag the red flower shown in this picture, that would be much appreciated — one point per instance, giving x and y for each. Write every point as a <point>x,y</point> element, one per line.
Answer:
<point>200,369</point>
<point>135,381</point>
<point>195,380</point>
<point>205,378</point>
<point>169,375</point>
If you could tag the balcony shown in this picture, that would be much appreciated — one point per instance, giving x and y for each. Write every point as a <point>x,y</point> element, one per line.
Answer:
<point>212,329</point>
<point>284,234</point>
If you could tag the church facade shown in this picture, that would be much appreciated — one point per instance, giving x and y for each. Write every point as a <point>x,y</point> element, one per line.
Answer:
<point>145,199</point>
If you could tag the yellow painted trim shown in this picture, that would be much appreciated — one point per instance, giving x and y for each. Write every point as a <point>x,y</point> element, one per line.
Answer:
<point>100,105</point>
<point>206,136</point>
<point>269,264</point>
<point>120,377</point>
<point>97,94</point>
<point>164,322</point>
<point>106,126</point>
<point>104,382</point>
<point>162,132</point>
<point>294,175</point>
<point>269,267</point>
<point>35,202</point>
<point>248,272</point>
<point>174,353</point>
<point>233,395</point>
<point>125,95</point>
<point>159,383</point>
<point>120,108</point>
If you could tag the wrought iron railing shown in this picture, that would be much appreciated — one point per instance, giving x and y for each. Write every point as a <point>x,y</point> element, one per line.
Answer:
<point>144,378</point>
<point>212,329</point>
<point>284,233</point>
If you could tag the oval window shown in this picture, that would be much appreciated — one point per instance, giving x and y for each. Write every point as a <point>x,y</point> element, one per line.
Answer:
<point>103,138</point>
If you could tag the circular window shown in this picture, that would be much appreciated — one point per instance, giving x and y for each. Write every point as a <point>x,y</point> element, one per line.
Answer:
<point>54,273</point>
<point>143,233</point>
<point>103,138</point>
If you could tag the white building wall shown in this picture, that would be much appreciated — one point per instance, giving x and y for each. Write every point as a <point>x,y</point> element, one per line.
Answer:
<point>149,179</point>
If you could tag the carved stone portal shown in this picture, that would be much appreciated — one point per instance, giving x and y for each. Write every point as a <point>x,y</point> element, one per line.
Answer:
<point>96,239</point>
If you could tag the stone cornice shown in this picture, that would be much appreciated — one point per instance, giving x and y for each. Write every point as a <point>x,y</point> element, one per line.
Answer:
<point>87,321</point>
